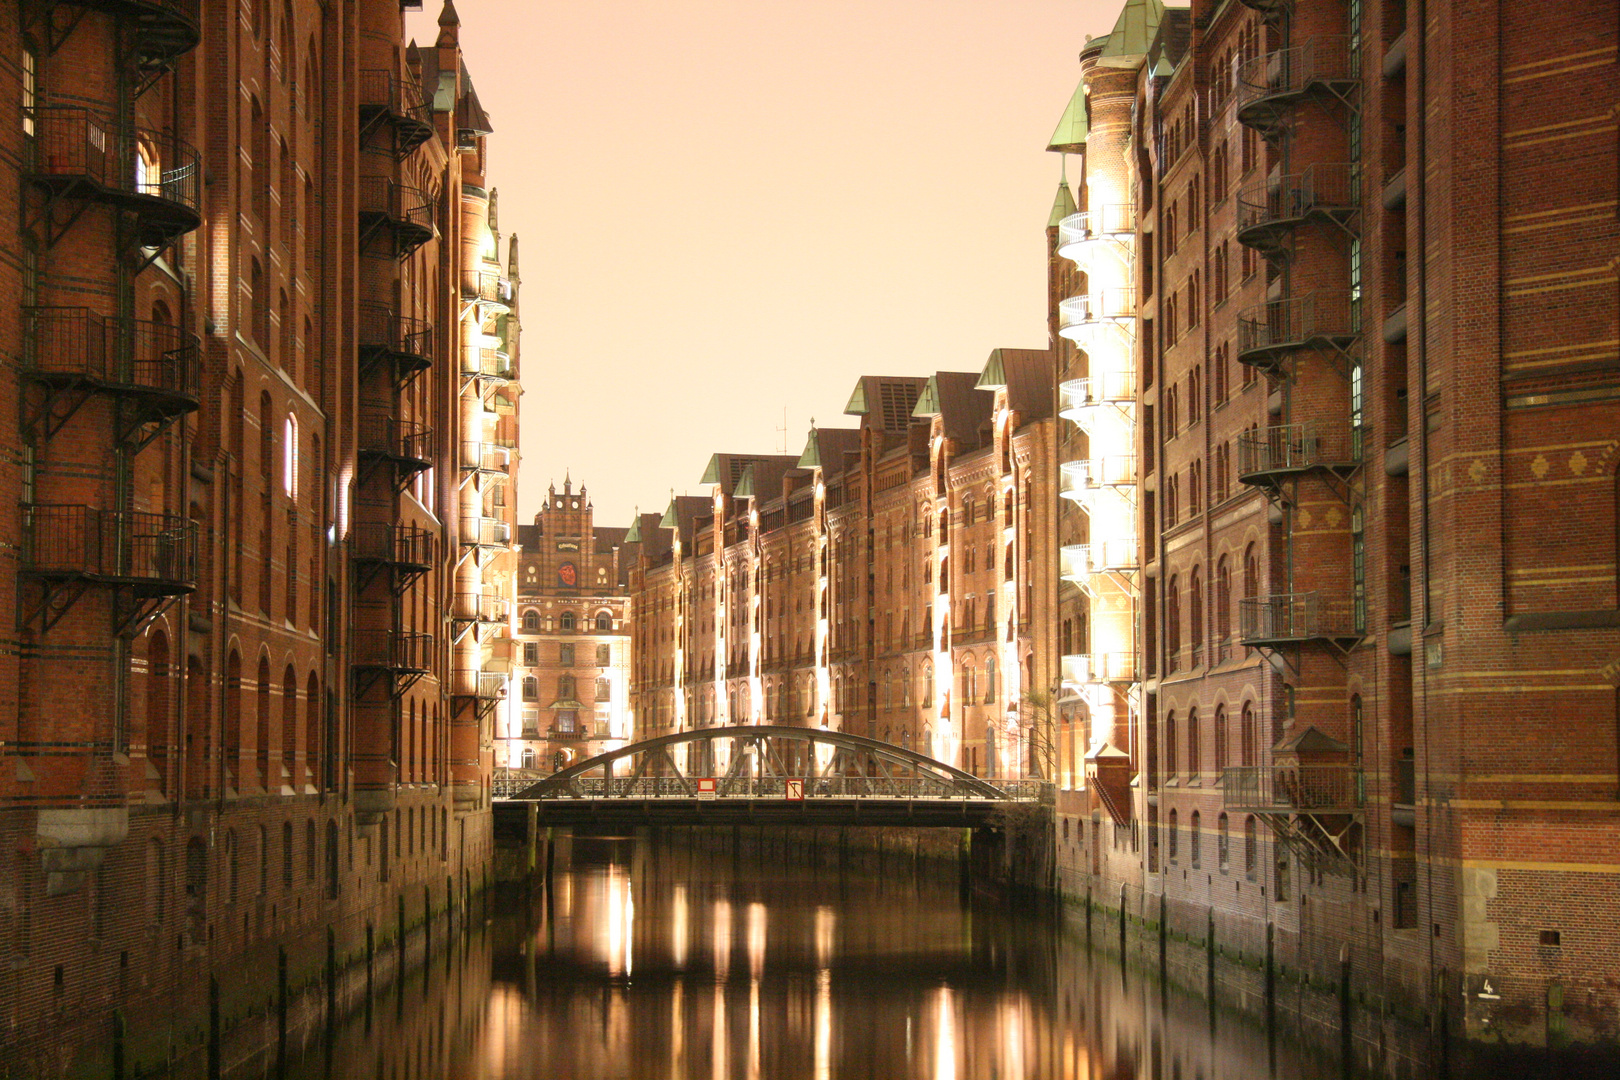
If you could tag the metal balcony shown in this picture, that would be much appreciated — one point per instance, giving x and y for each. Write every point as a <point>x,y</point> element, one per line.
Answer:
<point>1268,212</point>
<point>404,550</point>
<point>1268,455</point>
<point>161,30</point>
<point>1269,87</point>
<point>405,343</point>
<point>405,444</point>
<point>1085,480</point>
<point>493,364</point>
<point>489,288</point>
<point>1295,618</point>
<point>1327,319</point>
<point>481,607</point>
<point>485,532</point>
<point>490,460</point>
<point>155,554</point>
<point>400,651</point>
<point>1112,227</point>
<point>154,365</point>
<point>393,217</point>
<point>74,154</point>
<point>1079,316</point>
<point>388,102</point>
<point>1292,789</point>
<point>1085,669</point>
<point>1081,400</point>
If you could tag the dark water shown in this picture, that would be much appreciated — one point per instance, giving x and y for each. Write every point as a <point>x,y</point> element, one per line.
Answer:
<point>701,964</point>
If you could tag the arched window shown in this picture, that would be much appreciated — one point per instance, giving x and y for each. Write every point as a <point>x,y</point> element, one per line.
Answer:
<point>990,680</point>
<point>1251,845</point>
<point>289,729</point>
<point>531,688</point>
<point>1172,623</point>
<point>162,748</point>
<point>1223,601</point>
<point>1195,595</point>
<point>565,686</point>
<point>928,685</point>
<point>1173,836</point>
<point>1221,761</point>
<point>567,621</point>
<point>604,622</point>
<point>1196,840</point>
<point>1251,574</point>
<point>531,620</point>
<point>289,456</point>
<point>604,690</point>
<point>1170,746</point>
<point>970,681</point>
<point>1195,760</point>
<point>262,725</point>
<point>1246,730</point>
<point>1223,853</point>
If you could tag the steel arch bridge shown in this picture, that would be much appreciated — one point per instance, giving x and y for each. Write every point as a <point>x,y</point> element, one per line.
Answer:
<point>775,772</point>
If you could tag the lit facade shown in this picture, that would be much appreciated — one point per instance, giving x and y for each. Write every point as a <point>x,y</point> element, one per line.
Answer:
<point>886,581</point>
<point>237,272</point>
<point>1354,631</point>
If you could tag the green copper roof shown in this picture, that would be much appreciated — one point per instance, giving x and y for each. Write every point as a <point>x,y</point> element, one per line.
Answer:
<point>711,475</point>
<point>1062,205</point>
<point>811,458</point>
<point>994,375</point>
<point>1137,26</point>
<point>745,485</point>
<point>634,535</point>
<point>1070,135</point>
<point>1163,69</point>
<point>857,401</point>
<point>928,402</point>
<point>669,520</point>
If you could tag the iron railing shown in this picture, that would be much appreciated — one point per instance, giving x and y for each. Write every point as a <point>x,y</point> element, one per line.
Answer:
<point>1105,222</point>
<point>772,787</point>
<point>485,532</point>
<point>397,650</point>
<point>486,287</point>
<point>389,436</point>
<point>1292,788</point>
<point>129,545</point>
<point>481,607</point>
<point>1327,187</point>
<point>1296,447</point>
<point>71,143</point>
<point>381,90</point>
<point>486,363</point>
<point>1089,309</point>
<point>132,353</point>
<point>398,203</point>
<point>484,685</point>
<point>1081,478</point>
<point>1293,617</point>
<point>1112,667</point>
<point>1326,314</point>
<point>486,457</point>
<point>1322,60</point>
<point>381,329</point>
<point>402,544</point>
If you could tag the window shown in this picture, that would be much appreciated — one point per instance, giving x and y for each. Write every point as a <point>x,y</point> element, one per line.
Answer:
<point>565,654</point>
<point>531,653</point>
<point>531,620</point>
<point>1223,852</point>
<point>565,686</point>
<point>567,621</point>
<point>604,655</point>
<point>1195,840</point>
<point>990,680</point>
<point>604,622</point>
<point>1169,752</point>
<point>604,690</point>
<point>531,688</point>
<point>289,457</point>
<point>1195,760</point>
<point>928,685</point>
<point>1174,835</point>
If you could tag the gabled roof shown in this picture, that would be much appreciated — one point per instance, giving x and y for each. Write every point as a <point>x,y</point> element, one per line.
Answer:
<point>1062,205</point>
<point>727,470</point>
<point>826,447</point>
<point>951,396</point>
<point>1027,376</point>
<point>885,401</point>
<point>1312,738</point>
<point>655,541</point>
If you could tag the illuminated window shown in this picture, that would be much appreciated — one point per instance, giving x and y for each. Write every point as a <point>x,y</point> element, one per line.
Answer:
<point>289,457</point>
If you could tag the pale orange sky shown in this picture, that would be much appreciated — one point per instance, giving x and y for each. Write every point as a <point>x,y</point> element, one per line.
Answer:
<point>731,207</point>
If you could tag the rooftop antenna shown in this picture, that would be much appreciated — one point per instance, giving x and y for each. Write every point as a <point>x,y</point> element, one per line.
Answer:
<point>784,429</point>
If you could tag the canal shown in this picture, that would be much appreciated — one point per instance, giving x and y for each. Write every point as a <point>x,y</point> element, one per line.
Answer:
<point>702,960</point>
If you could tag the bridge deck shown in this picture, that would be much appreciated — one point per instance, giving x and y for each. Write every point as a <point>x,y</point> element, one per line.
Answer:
<point>746,810</point>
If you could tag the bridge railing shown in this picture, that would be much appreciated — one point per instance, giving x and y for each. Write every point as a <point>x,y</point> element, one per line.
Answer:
<point>509,783</point>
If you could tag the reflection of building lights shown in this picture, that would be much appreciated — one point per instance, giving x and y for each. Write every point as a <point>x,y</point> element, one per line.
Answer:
<point>678,928</point>
<point>756,940</point>
<point>944,1036</point>
<point>823,1025</point>
<point>826,923</point>
<point>720,939</point>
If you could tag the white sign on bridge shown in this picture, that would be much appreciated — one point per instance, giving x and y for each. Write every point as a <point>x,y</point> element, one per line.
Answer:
<point>795,789</point>
<point>705,787</point>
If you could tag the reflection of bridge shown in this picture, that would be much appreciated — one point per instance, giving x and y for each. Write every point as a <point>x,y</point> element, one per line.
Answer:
<point>786,775</point>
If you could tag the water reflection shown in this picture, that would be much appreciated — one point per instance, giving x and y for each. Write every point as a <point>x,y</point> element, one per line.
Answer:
<point>694,964</point>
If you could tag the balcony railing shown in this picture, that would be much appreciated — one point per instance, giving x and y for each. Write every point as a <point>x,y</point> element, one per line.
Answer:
<point>1270,209</point>
<point>129,355</point>
<point>1270,85</point>
<point>486,363</point>
<point>401,545</point>
<point>481,607</point>
<point>483,685</point>
<point>486,457</point>
<point>383,331</point>
<point>1113,222</point>
<point>1081,398</point>
<point>407,441</point>
<point>1267,453</point>
<point>385,96</point>
<point>1294,617</point>
<point>1080,669</point>
<point>1326,318</point>
<point>394,650</point>
<point>111,545</point>
<point>151,173</point>
<point>1079,314</point>
<point>1084,479</point>
<point>488,287</point>
<point>485,532</point>
<point>405,212</point>
<point>1284,789</point>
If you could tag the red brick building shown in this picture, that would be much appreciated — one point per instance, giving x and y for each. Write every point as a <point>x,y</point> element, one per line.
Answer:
<point>888,581</point>
<point>262,366</point>
<point>1367,254</point>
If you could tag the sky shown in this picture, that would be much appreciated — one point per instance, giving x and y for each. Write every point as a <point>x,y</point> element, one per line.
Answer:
<point>729,210</point>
